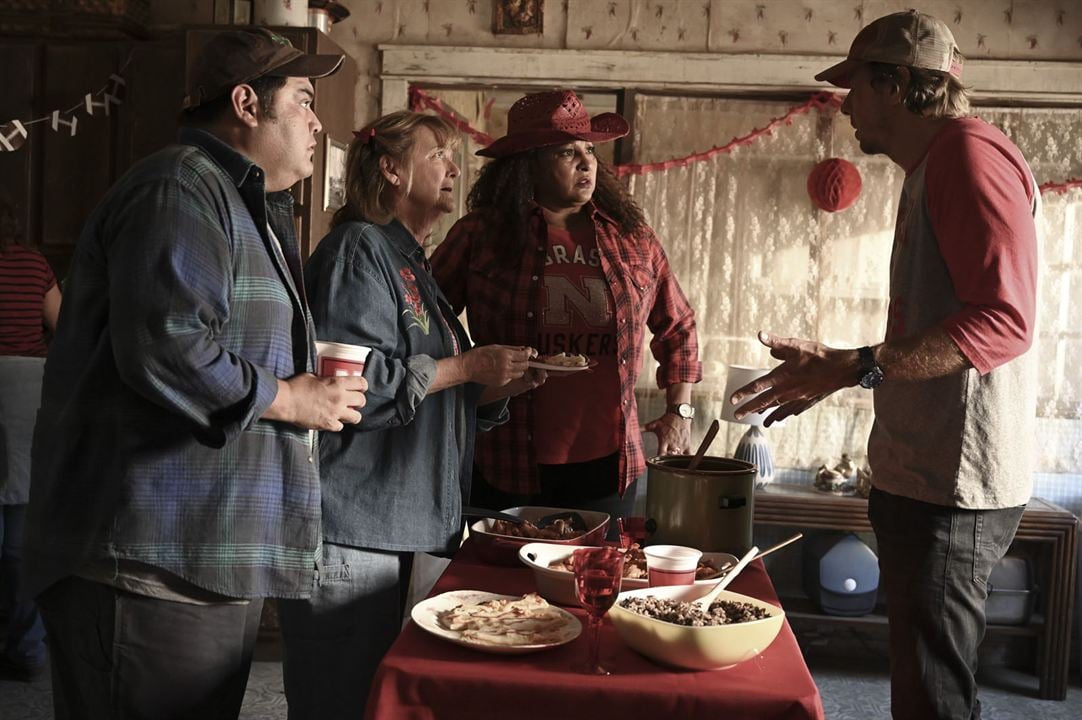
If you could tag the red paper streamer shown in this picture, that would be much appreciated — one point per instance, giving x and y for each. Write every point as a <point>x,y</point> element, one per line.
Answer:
<point>420,100</point>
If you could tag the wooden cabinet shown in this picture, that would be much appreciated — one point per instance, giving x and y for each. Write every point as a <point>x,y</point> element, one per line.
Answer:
<point>55,180</point>
<point>1048,531</point>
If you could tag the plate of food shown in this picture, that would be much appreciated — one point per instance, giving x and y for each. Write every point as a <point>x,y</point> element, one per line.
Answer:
<point>556,582</point>
<point>563,362</point>
<point>502,624</point>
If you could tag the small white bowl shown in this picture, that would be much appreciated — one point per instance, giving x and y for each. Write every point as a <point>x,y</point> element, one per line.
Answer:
<point>558,586</point>
<point>713,647</point>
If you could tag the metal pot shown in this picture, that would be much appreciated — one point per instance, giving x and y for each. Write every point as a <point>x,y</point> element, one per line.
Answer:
<point>711,508</point>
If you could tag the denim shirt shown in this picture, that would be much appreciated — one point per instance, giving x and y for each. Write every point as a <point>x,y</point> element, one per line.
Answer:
<point>396,480</point>
<point>179,317</point>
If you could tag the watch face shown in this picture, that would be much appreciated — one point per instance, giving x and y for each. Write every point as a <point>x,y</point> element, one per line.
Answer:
<point>873,378</point>
<point>685,411</point>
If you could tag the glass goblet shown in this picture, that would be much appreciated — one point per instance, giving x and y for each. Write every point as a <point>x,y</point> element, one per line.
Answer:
<point>598,572</point>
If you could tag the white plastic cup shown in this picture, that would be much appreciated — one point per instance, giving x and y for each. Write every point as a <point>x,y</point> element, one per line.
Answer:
<point>671,564</point>
<point>340,359</point>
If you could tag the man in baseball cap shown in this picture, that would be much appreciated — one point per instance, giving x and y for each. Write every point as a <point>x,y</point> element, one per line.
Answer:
<point>174,484</point>
<point>954,381</point>
<point>240,56</point>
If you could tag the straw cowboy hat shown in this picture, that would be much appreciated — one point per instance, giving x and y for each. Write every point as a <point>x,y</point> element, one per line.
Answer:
<point>552,118</point>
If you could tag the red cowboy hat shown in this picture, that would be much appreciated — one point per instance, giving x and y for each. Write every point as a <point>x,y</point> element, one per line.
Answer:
<point>552,118</point>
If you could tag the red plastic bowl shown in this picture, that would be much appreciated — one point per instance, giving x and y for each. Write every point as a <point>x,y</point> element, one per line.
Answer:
<point>503,549</point>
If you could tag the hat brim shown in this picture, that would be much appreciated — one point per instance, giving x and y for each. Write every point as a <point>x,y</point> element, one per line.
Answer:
<point>309,66</point>
<point>838,75</point>
<point>603,128</point>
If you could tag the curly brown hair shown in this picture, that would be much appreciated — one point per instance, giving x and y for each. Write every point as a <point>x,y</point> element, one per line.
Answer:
<point>505,188</point>
<point>10,232</point>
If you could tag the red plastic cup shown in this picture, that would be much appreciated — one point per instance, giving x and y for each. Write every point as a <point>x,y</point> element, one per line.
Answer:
<point>671,564</point>
<point>340,359</point>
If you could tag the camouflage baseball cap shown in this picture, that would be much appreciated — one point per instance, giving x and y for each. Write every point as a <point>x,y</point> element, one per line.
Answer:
<point>908,38</point>
<point>235,57</point>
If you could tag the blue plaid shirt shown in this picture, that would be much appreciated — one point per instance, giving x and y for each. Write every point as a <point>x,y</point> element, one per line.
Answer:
<point>179,315</point>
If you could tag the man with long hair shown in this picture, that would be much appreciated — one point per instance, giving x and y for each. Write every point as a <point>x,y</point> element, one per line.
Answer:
<point>556,255</point>
<point>954,383</point>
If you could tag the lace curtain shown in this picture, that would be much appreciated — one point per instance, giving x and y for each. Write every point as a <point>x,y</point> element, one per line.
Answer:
<point>752,252</point>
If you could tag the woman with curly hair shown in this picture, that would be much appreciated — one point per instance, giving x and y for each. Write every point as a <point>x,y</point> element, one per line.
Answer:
<point>555,254</point>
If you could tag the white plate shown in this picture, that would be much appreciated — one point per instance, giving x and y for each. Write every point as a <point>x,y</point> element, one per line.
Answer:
<point>560,368</point>
<point>559,585</point>
<point>425,615</point>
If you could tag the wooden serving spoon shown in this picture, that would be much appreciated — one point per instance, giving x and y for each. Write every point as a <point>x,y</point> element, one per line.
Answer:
<point>701,452</point>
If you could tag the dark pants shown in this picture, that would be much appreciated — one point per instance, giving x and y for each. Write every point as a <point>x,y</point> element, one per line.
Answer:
<point>26,634</point>
<point>590,485</point>
<point>123,656</point>
<point>934,564</point>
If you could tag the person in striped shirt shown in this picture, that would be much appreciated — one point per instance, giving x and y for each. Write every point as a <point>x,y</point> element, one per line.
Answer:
<point>29,303</point>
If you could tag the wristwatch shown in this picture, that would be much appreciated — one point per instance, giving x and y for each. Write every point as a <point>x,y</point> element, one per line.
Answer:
<point>870,375</point>
<point>684,410</point>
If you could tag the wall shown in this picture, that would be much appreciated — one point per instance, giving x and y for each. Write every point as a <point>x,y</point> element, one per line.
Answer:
<point>1000,29</point>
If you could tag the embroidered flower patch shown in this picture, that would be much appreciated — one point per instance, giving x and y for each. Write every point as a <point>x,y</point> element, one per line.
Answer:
<point>416,308</point>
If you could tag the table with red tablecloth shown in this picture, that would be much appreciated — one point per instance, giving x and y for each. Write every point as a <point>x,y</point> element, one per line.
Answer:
<point>424,677</point>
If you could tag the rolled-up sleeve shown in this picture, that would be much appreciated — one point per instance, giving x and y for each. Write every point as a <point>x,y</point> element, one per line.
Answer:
<point>675,342</point>
<point>170,285</point>
<point>353,302</point>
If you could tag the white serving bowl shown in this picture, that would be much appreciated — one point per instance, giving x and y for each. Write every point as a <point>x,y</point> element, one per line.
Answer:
<point>558,586</point>
<point>695,648</point>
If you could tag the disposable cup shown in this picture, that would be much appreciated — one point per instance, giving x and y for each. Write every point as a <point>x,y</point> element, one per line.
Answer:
<point>671,564</point>
<point>340,359</point>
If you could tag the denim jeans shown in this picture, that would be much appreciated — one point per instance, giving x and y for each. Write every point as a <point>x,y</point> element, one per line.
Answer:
<point>26,633</point>
<point>121,656</point>
<point>334,641</point>
<point>934,563</point>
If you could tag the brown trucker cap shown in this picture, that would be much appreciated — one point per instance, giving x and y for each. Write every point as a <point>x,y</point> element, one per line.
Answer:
<point>908,38</point>
<point>235,57</point>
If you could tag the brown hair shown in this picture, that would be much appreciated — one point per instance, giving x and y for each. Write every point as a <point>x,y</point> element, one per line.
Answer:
<point>930,93</point>
<point>505,187</point>
<point>368,194</point>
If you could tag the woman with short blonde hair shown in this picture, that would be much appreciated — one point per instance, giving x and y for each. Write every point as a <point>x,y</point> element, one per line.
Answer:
<point>394,484</point>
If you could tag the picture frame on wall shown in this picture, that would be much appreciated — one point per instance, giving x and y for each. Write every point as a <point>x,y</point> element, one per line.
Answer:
<point>517,17</point>
<point>334,174</point>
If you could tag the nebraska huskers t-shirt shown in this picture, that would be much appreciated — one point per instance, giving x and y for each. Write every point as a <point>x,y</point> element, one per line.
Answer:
<point>577,416</point>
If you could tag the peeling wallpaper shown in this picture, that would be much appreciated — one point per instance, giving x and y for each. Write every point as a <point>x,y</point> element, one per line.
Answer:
<point>1000,29</point>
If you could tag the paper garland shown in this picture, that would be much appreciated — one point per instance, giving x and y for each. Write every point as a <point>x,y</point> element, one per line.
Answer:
<point>13,134</point>
<point>420,101</point>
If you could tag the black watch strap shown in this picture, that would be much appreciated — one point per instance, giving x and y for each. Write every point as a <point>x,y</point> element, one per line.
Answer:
<point>870,375</point>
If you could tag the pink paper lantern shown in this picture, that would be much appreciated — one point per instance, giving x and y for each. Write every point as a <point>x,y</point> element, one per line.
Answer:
<point>834,184</point>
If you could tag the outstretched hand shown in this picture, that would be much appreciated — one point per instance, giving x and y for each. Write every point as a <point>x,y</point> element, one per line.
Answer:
<point>808,373</point>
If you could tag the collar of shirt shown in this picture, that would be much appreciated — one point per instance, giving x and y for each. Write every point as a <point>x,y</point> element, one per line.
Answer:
<point>595,212</point>
<point>237,166</point>
<point>403,241</point>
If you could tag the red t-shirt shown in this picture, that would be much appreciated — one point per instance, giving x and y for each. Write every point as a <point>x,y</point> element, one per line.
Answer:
<point>577,417</point>
<point>25,277</point>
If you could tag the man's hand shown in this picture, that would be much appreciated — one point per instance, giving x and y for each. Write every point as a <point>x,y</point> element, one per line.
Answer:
<point>318,403</point>
<point>673,434</point>
<point>809,372</point>
<point>497,365</point>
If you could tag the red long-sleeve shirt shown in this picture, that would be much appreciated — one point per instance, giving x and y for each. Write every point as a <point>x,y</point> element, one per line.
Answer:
<point>503,306</point>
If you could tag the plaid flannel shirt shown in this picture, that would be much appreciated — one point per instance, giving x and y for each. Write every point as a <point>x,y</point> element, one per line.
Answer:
<point>179,317</point>
<point>503,306</point>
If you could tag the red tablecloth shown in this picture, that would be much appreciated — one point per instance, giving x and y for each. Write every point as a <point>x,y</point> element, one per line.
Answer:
<point>425,678</point>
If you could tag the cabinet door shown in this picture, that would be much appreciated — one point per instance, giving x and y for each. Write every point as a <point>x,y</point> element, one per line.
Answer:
<point>75,171</point>
<point>17,102</point>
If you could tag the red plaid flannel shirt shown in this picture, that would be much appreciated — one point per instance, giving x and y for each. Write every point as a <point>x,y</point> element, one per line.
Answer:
<point>503,306</point>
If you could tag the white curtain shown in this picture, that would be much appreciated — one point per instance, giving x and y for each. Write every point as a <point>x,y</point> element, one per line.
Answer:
<point>753,252</point>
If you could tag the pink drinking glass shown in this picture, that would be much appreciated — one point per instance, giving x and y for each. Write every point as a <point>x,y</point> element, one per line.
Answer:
<point>598,572</point>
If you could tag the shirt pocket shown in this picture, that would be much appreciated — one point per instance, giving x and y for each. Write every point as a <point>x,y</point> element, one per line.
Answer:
<point>642,281</point>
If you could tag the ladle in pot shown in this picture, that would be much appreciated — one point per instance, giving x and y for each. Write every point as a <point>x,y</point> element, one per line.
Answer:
<point>701,452</point>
